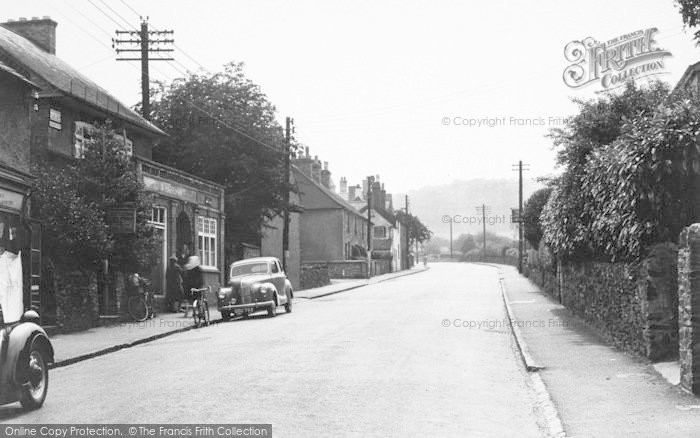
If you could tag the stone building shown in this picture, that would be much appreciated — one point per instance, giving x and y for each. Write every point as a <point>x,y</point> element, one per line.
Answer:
<point>188,211</point>
<point>18,233</point>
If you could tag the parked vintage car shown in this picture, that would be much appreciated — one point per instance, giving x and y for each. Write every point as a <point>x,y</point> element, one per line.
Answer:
<point>255,284</point>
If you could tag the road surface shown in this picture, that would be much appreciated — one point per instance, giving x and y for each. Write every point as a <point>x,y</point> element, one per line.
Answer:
<point>397,358</point>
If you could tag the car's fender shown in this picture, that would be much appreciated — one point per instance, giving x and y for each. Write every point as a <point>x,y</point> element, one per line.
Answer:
<point>288,287</point>
<point>21,337</point>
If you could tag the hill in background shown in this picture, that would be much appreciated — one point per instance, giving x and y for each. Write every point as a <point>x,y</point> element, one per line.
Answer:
<point>460,198</point>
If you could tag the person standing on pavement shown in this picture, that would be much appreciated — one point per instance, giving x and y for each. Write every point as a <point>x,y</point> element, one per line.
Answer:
<point>193,277</point>
<point>173,283</point>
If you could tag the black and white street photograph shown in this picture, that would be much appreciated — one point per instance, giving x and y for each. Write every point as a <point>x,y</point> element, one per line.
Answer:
<point>370,218</point>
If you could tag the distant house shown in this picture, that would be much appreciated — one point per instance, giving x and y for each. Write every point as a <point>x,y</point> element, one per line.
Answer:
<point>330,228</point>
<point>187,211</point>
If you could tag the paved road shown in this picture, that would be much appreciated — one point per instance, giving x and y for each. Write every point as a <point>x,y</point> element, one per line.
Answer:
<point>372,361</point>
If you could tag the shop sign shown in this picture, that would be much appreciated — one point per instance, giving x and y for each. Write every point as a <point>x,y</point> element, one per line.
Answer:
<point>122,220</point>
<point>11,200</point>
<point>174,190</point>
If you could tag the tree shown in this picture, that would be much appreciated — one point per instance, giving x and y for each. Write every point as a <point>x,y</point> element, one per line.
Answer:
<point>223,128</point>
<point>532,228</point>
<point>72,202</point>
<point>565,220</point>
<point>641,186</point>
<point>417,232</point>
<point>465,243</point>
<point>690,12</point>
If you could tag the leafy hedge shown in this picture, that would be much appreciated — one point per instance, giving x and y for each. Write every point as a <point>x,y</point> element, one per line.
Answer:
<point>616,199</point>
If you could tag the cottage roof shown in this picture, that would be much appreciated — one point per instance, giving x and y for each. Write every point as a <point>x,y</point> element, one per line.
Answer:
<point>383,213</point>
<point>329,194</point>
<point>62,78</point>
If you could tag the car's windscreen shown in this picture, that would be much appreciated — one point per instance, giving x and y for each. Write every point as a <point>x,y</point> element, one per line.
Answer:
<point>248,269</point>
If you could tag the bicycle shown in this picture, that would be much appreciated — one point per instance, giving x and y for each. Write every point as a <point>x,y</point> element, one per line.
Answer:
<point>200,306</point>
<point>140,303</point>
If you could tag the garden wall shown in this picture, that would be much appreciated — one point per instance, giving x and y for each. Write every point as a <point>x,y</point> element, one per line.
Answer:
<point>314,275</point>
<point>633,306</point>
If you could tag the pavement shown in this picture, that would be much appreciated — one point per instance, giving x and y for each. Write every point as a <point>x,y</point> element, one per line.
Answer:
<point>597,390</point>
<point>397,358</point>
<point>75,347</point>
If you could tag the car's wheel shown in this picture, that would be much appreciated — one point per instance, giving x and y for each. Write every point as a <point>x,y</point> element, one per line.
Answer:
<point>272,310</point>
<point>225,315</point>
<point>288,306</point>
<point>33,391</point>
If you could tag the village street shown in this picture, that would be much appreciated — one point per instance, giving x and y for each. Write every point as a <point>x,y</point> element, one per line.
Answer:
<point>382,360</point>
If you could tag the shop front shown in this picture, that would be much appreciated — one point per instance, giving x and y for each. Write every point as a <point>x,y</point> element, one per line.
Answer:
<point>20,250</point>
<point>188,215</point>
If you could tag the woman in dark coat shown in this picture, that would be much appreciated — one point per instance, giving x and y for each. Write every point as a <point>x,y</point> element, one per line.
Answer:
<point>173,282</point>
<point>193,277</point>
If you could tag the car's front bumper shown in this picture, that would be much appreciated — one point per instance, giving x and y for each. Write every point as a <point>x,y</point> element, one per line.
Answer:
<point>233,307</point>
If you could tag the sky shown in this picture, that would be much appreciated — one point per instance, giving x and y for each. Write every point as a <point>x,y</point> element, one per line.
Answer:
<point>381,87</point>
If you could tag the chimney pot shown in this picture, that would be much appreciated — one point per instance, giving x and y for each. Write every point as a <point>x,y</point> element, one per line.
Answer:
<point>35,18</point>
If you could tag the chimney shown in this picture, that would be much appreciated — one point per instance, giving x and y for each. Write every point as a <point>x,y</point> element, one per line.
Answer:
<point>343,185</point>
<point>40,31</point>
<point>326,176</point>
<point>351,193</point>
<point>316,170</point>
<point>365,188</point>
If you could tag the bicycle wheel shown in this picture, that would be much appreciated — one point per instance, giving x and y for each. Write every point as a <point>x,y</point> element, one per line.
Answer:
<point>207,318</point>
<point>196,314</point>
<point>138,308</point>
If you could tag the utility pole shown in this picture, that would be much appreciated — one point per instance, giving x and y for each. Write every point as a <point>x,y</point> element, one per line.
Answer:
<point>287,165</point>
<point>370,181</point>
<point>519,168</point>
<point>483,209</point>
<point>450,239</point>
<point>142,39</point>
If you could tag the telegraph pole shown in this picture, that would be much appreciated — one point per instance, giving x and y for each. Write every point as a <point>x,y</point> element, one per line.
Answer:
<point>519,168</point>
<point>370,180</point>
<point>287,165</point>
<point>142,39</point>
<point>483,209</point>
<point>450,239</point>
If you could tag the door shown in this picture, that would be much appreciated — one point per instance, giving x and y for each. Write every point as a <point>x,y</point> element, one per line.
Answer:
<point>157,274</point>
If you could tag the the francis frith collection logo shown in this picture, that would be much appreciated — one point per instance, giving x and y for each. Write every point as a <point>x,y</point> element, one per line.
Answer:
<point>612,63</point>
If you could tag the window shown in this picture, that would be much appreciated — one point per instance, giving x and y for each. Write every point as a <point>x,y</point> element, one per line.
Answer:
<point>275,268</point>
<point>128,144</point>
<point>55,119</point>
<point>347,222</point>
<point>82,138</point>
<point>158,216</point>
<point>206,239</point>
<point>379,232</point>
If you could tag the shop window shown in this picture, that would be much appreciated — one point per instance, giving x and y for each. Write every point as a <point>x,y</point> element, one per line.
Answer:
<point>55,119</point>
<point>206,239</point>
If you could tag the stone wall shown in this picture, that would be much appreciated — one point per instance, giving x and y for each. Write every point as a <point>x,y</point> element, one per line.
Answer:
<point>347,269</point>
<point>314,275</point>
<point>689,308</point>
<point>634,306</point>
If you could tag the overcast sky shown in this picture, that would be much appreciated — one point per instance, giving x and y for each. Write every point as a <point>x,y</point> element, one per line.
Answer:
<point>369,82</point>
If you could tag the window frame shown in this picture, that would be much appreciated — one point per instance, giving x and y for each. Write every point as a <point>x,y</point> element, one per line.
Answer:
<point>208,241</point>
